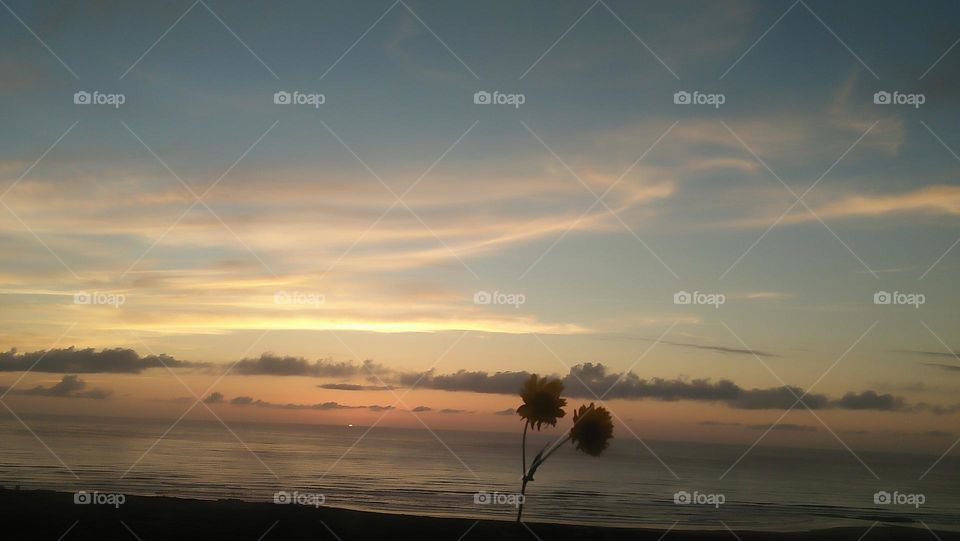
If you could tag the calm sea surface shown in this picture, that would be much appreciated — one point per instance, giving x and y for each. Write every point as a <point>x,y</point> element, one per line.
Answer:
<point>411,471</point>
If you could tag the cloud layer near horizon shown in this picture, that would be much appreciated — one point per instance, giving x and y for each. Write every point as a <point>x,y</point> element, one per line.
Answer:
<point>69,386</point>
<point>586,380</point>
<point>87,360</point>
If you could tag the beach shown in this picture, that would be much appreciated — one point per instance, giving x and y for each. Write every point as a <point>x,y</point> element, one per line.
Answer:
<point>42,514</point>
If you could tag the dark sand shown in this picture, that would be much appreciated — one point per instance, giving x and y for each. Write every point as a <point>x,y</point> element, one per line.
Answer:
<point>48,515</point>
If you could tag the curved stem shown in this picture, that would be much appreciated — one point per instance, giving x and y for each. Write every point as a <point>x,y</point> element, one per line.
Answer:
<point>523,487</point>
<point>523,491</point>
<point>558,445</point>
<point>523,471</point>
<point>537,462</point>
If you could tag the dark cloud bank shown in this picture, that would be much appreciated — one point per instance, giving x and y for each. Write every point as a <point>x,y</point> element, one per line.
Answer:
<point>587,381</point>
<point>70,386</point>
<point>87,361</point>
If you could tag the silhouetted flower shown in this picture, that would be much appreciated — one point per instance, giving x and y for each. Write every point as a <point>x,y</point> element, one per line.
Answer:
<point>592,429</point>
<point>541,401</point>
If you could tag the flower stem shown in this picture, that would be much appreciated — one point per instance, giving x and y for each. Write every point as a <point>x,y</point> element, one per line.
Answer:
<point>558,445</point>
<point>523,471</point>
<point>523,487</point>
<point>523,490</point>
<point>537,462</point>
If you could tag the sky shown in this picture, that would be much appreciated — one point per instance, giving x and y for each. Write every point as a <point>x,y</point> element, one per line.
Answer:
<point>391,248</point>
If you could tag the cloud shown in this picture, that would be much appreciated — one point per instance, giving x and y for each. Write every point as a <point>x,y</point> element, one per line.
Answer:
<point>70,386</point>
<point>214,398</point>
<point>585,380</point>
<point>588,380</point>
<point>270,364</point>
<point>766,296</point>
<point>775,398</point>
<point>452,410</point>
<point>86,361</point>
<point>322,406</point>
<point>352,387</point>
<point>717,423</point>
<point>870,400</point>
<point>784,427</point>
<point>719,349</point>
<point>723,349</point>
<point>380,408</point>
<point>422,409</point>
<point>928,433</point>
<point>937,354</point>
<point>508,411</point>
<point>935,409</point>
<point>463,380</point>
<point>948,367</point>
<point>935,199</point>
<point>928,200</point>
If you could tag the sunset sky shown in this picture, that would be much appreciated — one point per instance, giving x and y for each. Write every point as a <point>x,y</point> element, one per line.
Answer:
<point>289,243</point>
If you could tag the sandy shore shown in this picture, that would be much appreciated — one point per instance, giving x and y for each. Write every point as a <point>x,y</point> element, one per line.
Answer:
<point>53,516</point>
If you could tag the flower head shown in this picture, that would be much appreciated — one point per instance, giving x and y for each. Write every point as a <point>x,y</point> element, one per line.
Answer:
<point>592,429</point>
<point>541,401</point>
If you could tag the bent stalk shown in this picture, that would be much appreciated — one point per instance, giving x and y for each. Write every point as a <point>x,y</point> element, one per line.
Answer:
<point>537,462</point>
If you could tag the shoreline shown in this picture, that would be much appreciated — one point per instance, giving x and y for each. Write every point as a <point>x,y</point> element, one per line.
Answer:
<point>45,514</point>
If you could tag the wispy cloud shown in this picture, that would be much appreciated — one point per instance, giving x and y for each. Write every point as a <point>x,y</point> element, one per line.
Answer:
<point>784,427</point>
<point>321,406</point>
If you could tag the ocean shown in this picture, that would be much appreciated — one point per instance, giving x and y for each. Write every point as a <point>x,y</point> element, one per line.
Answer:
<point>476,474</point>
